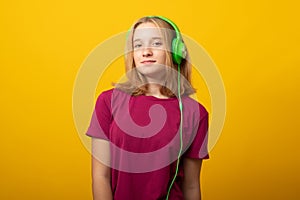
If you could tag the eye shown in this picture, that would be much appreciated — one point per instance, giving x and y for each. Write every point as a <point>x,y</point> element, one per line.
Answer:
<point>137,45</point>
<point>157,43</point>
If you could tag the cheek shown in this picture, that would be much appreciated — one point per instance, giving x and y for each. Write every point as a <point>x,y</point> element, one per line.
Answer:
<point>136,55</point>
<point>163,56</point>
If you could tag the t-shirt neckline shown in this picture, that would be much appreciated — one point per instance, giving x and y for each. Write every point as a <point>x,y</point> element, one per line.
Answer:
<point>150,97</point>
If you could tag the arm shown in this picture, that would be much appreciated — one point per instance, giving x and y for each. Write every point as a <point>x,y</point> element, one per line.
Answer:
<point>191,180</point>
<point>101,182</point>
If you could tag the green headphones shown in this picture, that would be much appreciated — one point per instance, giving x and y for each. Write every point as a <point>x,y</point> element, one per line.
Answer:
<point>178,48</point>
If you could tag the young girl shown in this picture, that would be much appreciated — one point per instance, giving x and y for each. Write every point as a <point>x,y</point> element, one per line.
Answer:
<point>148,136</point>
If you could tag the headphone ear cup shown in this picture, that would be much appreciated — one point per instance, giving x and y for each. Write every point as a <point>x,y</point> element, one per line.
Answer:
<point>178,50</point>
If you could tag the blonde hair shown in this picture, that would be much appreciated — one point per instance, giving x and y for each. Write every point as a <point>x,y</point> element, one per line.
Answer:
<point>136,83</point>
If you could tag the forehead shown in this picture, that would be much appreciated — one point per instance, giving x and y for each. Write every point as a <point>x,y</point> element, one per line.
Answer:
<point>147,31</point>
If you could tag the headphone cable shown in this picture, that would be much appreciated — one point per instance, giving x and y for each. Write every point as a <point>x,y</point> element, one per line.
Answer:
<point>181,120</point>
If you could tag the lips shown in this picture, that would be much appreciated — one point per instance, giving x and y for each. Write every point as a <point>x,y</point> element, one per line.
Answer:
<point>148,61</point>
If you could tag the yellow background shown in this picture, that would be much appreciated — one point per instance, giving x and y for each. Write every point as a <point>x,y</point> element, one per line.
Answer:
<point>255,45</point>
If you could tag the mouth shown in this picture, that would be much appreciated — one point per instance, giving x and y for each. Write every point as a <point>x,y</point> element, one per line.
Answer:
<point>148,61</point>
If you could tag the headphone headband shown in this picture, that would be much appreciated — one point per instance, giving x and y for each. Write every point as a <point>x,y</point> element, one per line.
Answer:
<point>169,22</point>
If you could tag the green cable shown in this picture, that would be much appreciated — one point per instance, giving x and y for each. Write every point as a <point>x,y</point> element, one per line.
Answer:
<point>178,157</point>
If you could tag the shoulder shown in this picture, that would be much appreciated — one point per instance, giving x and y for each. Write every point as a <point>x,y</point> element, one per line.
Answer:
<point>112,96</point>
<point>104,98</point>
<point>106,93</point>
<point>112,91</point>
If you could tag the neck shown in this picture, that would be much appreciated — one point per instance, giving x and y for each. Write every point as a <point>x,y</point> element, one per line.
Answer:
<point>154,90</point>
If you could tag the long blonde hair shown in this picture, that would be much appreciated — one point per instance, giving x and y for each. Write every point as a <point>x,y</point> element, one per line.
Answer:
<point>136,83</point>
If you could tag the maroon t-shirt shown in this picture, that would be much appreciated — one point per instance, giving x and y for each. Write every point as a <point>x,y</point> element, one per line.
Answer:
<point>144,137</point>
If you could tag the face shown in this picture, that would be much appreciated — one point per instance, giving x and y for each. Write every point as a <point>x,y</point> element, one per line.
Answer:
<point>149,50</point>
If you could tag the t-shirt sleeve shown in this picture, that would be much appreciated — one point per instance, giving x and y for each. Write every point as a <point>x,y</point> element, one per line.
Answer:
<point>101,118</point>
<point>198,148</point>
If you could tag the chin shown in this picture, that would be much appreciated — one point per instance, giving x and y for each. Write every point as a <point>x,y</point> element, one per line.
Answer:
<point>152,70</point>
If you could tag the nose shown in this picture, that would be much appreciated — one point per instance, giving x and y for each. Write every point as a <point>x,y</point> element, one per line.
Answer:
<point>147,52</point>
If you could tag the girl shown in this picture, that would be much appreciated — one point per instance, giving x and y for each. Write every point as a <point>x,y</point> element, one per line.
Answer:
<point>148,136</point>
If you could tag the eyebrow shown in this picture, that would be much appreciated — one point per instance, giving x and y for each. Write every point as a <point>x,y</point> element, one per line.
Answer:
<point>153,38</point>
